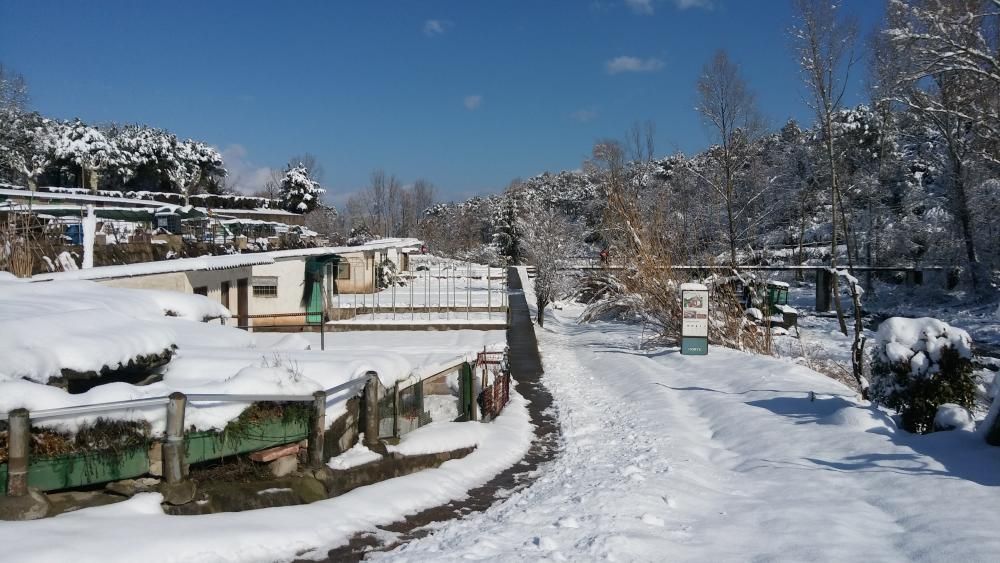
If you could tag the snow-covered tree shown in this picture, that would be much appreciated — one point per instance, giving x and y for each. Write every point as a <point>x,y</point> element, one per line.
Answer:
<point>85,148</point>
<point>27,143</point>
<point>550,242</point>
<point>298,192</point>
<point>507,233</point>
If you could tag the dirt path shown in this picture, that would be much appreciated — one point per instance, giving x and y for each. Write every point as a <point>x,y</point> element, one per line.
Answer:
<point>526,368</point>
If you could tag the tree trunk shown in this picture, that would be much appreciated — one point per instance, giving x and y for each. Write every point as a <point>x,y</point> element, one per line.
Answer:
<point>799,275</point>
<point>965,221</point>
<point>833,222</point>
<point>541,311</point>
<point>858,345</point>
<point>729,215</point>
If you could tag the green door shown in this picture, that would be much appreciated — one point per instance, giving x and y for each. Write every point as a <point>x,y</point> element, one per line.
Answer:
<point>313,289</point>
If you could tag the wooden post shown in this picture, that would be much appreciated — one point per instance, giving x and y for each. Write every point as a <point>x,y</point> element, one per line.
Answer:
<point>173,447</point>
<point>395,410</point>
<point>824,288</point>
<point>371,410</point>
<point>317,430</point>
<point>322,331</point>
<point>18,447</point>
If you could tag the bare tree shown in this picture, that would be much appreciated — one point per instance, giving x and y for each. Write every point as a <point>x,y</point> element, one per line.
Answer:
<point>824,43</point>
<point>13,90</point>
<point>272,187</point>
<point>422,197</point>
<point>729,107</point>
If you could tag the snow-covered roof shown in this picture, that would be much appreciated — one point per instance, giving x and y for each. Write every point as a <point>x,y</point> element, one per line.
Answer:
<point>235,212</point>
<point>161,267</point>
<point>49,196</point>
<point>693,287</point>
<point>378,244</point>
<point>778,283</point>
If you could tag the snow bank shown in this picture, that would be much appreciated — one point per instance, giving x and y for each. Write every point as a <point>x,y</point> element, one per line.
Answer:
<point>82,326</point>
<point>357,455</point>
<point>439,437</point>
<point>40,347</point>
<point>199,415</point>
<point>919,343</point>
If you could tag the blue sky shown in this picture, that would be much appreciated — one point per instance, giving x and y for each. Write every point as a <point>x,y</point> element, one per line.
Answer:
<point>467,94</point>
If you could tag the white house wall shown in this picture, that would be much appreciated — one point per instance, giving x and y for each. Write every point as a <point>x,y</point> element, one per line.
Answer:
<point>291,274</point>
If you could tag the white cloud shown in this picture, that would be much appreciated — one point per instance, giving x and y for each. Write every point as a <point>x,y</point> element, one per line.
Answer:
<point>244,175</point>
<point>633,64</point>
<point>685,4</point>
<point>436,27</point>
<point>585,115</point>
<point>644,7</point>
<point>473,102</point>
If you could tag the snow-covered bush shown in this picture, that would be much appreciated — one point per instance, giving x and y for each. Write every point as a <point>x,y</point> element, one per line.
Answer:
<point>388,274</point>
<point>482,254</point>
<point>953,417</point>
<point>920,364</point>
<point>360,235</point>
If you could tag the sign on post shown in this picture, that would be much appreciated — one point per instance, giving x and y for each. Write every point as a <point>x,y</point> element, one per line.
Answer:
<point>694,322</point>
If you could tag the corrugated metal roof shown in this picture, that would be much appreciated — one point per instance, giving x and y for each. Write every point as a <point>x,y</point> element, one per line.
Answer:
<point>161,267</point>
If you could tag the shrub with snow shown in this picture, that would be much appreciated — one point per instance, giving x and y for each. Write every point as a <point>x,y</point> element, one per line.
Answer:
<point>953,417</point>
<point>920,364</point>
<point>360,235</point>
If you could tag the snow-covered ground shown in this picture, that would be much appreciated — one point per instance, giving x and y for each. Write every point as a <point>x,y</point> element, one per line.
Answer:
<point>726,458</point>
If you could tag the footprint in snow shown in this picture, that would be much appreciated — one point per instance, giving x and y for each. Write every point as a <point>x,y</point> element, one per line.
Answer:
<point>544,543</point>
<point>633,473</point>
<point>567,522</point>
<point>652,520</point>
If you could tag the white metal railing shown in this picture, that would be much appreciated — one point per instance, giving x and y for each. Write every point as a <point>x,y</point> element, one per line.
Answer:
<point>438,293</point>
<point>354,384</point>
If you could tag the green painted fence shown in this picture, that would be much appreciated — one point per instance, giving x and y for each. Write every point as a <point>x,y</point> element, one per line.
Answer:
<point>77,470</point>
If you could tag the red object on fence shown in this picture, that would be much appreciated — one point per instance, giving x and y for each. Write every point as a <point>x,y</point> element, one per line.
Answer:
<point>496,390</point>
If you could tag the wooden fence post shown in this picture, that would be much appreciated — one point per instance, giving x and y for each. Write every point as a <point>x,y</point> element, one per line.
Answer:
<point>322,331</point>
<point>824,290</point>
<point>18,448</point>
<point>173,446</point>
<point>371,410</point>
<point>395,411</point>
<point>317,430</point>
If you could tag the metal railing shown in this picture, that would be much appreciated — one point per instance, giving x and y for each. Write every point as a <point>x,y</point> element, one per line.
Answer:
<point>438,291</point>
